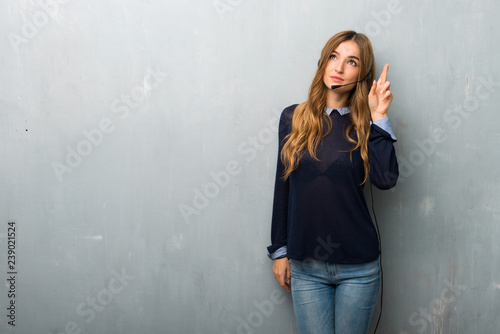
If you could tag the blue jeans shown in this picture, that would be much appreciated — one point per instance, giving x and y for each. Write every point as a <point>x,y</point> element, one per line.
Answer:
<point>334,298</point>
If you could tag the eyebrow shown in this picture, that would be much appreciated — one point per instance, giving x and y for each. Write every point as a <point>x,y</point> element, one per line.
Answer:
<point>347,56</point>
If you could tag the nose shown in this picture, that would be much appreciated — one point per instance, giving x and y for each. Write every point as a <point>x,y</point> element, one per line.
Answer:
<point>339,67</point>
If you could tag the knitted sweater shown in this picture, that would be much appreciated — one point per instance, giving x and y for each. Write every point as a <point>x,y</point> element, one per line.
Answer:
<point>320,211</point>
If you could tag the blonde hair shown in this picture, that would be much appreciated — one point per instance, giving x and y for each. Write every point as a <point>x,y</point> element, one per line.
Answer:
<point>309,117</point>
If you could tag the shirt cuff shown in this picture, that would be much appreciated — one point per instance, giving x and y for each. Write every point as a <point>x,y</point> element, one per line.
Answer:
<point>280,252</point>
<point>385,125</point>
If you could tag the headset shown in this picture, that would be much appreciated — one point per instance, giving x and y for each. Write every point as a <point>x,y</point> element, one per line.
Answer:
<point>380,250</point>
<point>367,77</point>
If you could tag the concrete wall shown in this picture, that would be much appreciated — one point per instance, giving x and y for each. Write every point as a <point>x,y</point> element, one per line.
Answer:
<point>138,151</point>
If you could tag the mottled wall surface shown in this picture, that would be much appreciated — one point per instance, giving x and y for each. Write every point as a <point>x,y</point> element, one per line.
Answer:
<point>138,145</point>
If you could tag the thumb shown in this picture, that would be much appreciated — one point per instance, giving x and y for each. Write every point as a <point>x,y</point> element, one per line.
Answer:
<point>374,88</point>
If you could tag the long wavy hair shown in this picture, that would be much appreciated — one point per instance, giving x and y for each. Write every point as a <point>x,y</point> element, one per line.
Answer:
<point>309,117</point>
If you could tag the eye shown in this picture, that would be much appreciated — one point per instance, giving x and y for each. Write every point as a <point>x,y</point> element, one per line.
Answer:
<point>352,62</point>
<point>333,56</point>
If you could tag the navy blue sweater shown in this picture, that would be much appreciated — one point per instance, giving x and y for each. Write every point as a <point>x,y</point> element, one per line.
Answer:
<point>320,211</point>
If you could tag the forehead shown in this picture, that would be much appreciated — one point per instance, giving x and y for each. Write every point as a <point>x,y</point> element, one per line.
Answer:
<point>347,49</point>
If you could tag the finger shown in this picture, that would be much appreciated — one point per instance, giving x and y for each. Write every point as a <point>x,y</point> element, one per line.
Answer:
<point>280,276</point>
<point>383,76</point>
<point>384,88</point>
<point>288,275</point>
<point>387,96</point>
<point>284,282</point>
<point>277,275</point>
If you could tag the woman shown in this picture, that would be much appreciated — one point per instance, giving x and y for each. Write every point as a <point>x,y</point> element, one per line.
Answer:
<point>330,146</point>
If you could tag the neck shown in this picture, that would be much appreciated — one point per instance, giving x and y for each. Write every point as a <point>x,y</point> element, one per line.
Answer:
<point>336,100</point>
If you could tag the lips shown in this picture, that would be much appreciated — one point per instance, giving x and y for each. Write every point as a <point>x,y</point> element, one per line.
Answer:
<point>337,79</point>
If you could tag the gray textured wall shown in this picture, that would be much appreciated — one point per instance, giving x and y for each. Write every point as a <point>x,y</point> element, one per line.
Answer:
<point>138,150</point>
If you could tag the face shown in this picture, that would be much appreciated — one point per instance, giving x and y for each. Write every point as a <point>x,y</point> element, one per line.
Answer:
<point>343,67</point>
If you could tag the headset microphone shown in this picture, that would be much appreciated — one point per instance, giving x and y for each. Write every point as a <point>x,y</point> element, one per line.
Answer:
<point>367,77</point>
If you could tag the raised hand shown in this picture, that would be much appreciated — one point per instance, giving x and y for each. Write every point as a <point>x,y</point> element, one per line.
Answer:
<point>380,97</point>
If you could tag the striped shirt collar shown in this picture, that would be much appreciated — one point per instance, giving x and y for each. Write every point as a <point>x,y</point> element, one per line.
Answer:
<point>342,111</point>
